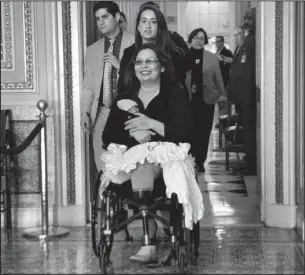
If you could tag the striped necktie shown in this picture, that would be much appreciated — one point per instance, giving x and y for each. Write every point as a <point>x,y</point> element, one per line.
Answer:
<point>107,79</point>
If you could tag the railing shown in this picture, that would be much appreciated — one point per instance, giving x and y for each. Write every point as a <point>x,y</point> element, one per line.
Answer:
<point>44,232</point>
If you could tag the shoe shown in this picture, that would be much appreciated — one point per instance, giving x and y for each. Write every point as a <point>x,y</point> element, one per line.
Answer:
<point>146,254</point>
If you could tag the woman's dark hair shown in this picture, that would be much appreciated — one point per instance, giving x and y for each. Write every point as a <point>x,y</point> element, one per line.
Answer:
<point>163,40</point>
<point>130,79</point>
<point>152,3</point>
<point>195,32</point>
<point>110,6</point>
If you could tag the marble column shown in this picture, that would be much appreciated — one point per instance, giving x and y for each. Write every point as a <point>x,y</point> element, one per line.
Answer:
<point>277,121</point>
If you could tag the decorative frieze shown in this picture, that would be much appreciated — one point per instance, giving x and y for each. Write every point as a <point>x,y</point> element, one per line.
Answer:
<point>7,41</point>
<point>279,198</point>
<point>28,47</point>
<point>68,76</point>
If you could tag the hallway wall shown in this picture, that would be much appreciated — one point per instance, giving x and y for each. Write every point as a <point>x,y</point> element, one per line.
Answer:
<point>36,63</point>
<point>25,78</point>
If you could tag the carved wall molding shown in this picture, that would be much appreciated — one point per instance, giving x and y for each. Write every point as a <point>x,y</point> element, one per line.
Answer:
<point>7,41</point>
<point>28,44</point>
<point>68,76</point>
<point>279,197</point>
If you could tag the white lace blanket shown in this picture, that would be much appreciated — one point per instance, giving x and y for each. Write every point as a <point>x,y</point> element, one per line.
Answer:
<point>178,172</point>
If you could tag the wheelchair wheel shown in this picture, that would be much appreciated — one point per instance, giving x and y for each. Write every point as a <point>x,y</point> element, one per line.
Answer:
<point>104,258</point>
<point>96,216</point>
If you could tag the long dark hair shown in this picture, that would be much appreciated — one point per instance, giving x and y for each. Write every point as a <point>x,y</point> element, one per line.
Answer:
<point>132,83</point>
<point>163,40</point>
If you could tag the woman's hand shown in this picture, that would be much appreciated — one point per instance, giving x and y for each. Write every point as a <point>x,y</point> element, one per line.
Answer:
<point>141,122</point>
<point>142,136</point>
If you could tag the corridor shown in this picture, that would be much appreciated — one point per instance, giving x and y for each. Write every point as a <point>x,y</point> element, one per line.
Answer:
<point>232,238</point>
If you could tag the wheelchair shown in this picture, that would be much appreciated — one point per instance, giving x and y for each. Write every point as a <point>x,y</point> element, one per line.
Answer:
<point>110,216</point>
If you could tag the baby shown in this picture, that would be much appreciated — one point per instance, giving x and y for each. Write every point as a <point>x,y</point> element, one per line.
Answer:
<point>132,108</point>
<point>128,105</point>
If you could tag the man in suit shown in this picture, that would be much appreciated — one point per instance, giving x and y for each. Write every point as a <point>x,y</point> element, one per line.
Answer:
<point>240,35</point>
<point>206,88</point>
<point>222,52</point>
<point>101,72</point>
<point>242,90</point>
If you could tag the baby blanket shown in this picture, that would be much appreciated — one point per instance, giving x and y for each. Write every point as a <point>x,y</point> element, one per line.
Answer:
<point>177,166</point>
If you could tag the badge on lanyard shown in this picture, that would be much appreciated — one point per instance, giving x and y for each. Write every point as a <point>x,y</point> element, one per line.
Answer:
<point>197,61</point>
<point>243,58</point>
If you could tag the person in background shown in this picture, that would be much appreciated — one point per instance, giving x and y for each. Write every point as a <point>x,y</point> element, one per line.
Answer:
<point>240,35</point>
<point>176,37</point>
<point>123,21</point>
<point>151,27</point>
<point>100,76</point>
<point>206,88</point>
<point>242,90</point>
<point>222,53</point>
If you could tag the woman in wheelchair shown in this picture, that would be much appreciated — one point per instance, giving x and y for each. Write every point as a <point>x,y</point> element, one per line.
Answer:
<point>164,114</point>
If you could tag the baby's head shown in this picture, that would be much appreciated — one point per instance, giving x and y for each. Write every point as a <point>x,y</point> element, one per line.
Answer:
<point>133,109</point>
<point>128,105</point>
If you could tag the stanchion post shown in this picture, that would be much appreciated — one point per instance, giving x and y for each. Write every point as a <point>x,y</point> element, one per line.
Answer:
<point>45,232</point>
<point>42,106</point>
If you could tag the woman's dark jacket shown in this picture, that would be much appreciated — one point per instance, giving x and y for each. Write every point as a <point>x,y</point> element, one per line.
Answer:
<point>171,106</point>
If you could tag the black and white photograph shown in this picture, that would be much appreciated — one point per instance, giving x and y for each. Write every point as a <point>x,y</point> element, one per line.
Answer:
<point>152,137</point>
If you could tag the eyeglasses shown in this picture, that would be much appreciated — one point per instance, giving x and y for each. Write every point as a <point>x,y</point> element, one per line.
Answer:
<point>148,61</point>
<point>218,41</point>
<point>198,38</point>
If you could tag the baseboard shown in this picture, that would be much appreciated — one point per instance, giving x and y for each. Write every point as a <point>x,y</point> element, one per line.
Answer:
<point>300,225</point>
<point>300,229</point>
<point>282,216</point>
<point>69,216</point>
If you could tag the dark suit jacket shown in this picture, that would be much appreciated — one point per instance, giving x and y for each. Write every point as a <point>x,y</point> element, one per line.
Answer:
<point>242,83</point>
<point>170,106</point>
<point>177,58</point>
<point>225,67</point>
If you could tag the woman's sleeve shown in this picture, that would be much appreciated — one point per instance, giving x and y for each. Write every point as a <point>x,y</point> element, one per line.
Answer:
<point>114,129</point>
<point>179,121</point>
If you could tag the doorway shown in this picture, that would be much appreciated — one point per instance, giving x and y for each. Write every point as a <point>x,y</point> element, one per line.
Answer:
<point>218,11</point>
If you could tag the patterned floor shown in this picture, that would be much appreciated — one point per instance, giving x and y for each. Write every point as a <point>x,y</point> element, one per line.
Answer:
<point>232,238</point>
<point>234,250</point>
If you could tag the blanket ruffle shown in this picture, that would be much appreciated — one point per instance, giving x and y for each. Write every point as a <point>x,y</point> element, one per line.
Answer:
<point>178,172</point>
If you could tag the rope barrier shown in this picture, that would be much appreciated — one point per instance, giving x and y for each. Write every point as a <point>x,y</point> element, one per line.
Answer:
<point>44,232</point>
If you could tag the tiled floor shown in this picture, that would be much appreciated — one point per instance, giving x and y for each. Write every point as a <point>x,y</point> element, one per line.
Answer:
<point>232,238</point>
<point>233,250</point>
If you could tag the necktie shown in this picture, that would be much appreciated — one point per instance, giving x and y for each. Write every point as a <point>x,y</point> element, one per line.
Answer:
<point>107,79</point>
